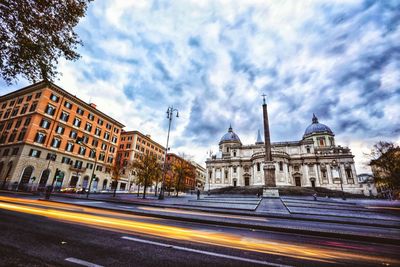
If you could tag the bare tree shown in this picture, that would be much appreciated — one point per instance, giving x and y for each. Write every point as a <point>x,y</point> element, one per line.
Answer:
<point>147,170</point>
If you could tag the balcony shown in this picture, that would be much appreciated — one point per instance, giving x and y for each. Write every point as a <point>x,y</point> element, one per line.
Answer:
<point>76,169</point>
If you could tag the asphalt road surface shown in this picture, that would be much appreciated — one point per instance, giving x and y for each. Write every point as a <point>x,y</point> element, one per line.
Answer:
<point>37,233</point>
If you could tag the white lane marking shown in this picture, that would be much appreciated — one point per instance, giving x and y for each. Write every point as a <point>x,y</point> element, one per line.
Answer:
<point>204,252</point>
<point>88,202</point>
<point>82,262</point>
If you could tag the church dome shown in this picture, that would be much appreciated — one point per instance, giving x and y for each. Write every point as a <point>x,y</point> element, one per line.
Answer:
<point>230,136</point>
<point>316,127</point>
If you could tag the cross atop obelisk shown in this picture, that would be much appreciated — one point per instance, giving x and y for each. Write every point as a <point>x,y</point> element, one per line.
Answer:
<point>269,166</point>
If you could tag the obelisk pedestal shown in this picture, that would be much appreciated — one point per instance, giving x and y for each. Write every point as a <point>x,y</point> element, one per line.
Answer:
<point>270,190</point>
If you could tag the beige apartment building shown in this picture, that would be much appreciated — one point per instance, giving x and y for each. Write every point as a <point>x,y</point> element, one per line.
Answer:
<point>131,146</point>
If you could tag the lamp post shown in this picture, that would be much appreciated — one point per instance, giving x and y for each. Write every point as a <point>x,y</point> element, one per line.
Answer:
<point>170,112</point>
<point>79,141</point>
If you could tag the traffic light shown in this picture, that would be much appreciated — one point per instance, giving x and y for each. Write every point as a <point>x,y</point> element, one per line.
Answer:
<point>57,173</point>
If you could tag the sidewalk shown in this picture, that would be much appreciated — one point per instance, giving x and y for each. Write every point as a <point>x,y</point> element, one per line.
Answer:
<point>387,235</point>
<point>271,212</point>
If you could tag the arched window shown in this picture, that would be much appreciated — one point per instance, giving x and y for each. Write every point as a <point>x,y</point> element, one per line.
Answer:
<point>26,176</point>
<point>105,184</point>
<point>43,178</point>
<point>85,182</point>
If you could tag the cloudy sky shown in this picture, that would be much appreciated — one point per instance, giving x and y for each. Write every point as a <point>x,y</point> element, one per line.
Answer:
<point>213,59</point>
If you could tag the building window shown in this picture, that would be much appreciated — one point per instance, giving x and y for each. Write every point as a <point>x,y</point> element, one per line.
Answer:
<point>77,122</point>
<point>108,126</point>
<point>85,139</point>
<point>349,173</point>
<point>45,124</point>
<point>60,129</point>
<point>92,154</point>
<point>73,134</point>
<point>234,169</point>
<point>79,111</point>
<point>4,105</point>
<point>38,94</point>
<point>27,121</point>
<point>308,149</point>
<point>128,146</point>
<point>7,113</point>
<point>56,143</point>
<point>21,135</point>
<point>101,156</point>
<point>281,166</point>
<point>121,146</point>
<point>50,110</point>
<point>12,137</point>
<point>51,156</point>
<point>82,150</point>
<point>78,164</point>
<point>65,160</point>
<point>64,116</point>
<point>100,121</point>
<point>68,105</point>
<point>6,151</point>
<point>9,125</point>
<point>91,116</point>
<point>88,127</point>
<point>28,98</point>
<point>69,147</point>
<point>14,112</point>
<point>20,100</point>
<point>258,167</point>
<point>103,146</point>
<point>40,138</point>
<point>24,109</point>
<point>15,151</point>
<point>95,143</point>
<point>33,107</point>
<point>99,168</point>
<point>54,98</point>
<point>321,141</point>
<point>106,135</point>
<point>97,132</point>
<point>35,153</point>
<point>18,123</point>
<point>110,159</point>
<point>89,165</point>
<point>114,139</point>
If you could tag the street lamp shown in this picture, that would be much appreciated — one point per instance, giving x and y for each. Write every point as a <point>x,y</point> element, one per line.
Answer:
<point>79,140</point>
<point>170,112</point>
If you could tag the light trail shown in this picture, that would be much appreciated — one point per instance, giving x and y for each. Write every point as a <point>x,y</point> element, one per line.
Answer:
<point>303,251</point>
<point>171,210</point>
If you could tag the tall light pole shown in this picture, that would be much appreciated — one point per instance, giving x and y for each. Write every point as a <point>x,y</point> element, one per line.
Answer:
<point>170,113</point>
<point>79,141</point>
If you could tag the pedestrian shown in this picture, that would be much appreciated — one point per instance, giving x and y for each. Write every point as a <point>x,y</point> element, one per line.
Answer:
<point>315,196</point>
<point>198,194</point>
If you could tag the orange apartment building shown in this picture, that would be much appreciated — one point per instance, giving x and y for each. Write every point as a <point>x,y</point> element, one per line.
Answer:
<point>189,183</point>
<point>39,125</point>
<point>131,146</point>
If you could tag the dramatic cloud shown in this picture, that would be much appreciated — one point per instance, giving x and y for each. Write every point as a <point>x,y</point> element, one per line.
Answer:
<point>213,59</point>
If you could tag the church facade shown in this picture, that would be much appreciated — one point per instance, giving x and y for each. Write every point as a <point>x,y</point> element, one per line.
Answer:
<point>313,161</point>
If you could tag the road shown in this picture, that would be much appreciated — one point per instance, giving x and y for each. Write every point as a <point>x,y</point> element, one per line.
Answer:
<point>38,233</point>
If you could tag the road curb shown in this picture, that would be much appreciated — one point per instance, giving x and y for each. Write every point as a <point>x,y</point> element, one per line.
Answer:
<point>292,216</point>
<point>336,235</point>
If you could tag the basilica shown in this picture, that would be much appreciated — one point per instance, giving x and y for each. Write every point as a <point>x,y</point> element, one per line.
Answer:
<point>314,161</point>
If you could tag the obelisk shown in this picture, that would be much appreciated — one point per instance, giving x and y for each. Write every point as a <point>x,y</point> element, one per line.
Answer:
<point>270,189</point>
